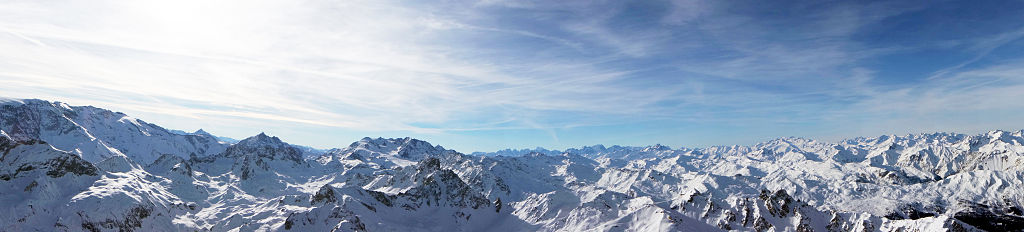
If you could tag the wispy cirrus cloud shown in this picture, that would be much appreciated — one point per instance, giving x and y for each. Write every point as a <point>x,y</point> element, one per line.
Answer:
<point>483,72</point>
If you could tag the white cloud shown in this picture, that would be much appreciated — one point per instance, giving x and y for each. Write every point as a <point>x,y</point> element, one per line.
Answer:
<point>470,66</point>
<point>364,65</point>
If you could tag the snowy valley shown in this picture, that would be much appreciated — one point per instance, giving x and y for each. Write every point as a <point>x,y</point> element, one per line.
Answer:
<point>81,168</point>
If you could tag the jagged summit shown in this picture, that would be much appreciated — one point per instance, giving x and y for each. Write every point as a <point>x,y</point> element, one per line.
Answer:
<point>387,145</point>
<point>264,146</point>
<point>1012,137</point>
<point>383,152</point>
<point>657,147</point>
<point>202,132</point>
<point>262,139</point>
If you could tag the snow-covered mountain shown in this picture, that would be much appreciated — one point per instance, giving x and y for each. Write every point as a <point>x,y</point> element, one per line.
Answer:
<point>381,153</point>
<point>222,139</point>
<point>70,168</point>
<point>96,134</point>
<point>517,152</point>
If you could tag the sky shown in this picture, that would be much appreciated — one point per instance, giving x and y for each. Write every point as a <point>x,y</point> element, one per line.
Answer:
<point>493,74</point>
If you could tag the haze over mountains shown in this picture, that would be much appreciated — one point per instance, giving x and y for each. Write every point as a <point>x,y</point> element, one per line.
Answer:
<point>81,168</point>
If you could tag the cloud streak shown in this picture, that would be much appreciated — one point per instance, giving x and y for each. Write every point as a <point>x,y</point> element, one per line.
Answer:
<point>491,67</point>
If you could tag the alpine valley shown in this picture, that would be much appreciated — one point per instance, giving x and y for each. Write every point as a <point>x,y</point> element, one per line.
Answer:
<point>81,168</point>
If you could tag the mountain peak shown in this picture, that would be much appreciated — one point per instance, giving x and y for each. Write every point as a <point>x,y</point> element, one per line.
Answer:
<point>388,151</point>
<point>387,145</point>
<point>262,145</point>
<point>202,132</point>
<point>262,139</point>
<point>380,141</point>
<point>657,147</point>
<point>998,133</point>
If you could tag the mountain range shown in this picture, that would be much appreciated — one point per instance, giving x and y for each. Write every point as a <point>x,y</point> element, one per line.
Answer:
<point>82,168</point>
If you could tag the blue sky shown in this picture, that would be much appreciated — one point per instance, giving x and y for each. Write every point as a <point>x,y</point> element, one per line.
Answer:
<point>493,74</point>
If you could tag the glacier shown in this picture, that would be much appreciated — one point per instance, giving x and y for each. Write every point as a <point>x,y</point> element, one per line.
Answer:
<point>82,168</point>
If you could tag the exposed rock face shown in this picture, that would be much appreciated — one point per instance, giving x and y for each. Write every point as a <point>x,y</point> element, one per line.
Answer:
<point>52,162</point>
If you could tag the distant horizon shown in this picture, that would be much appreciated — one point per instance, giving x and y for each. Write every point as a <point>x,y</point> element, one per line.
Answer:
<point>492,74</point>
<point>674,147</point>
